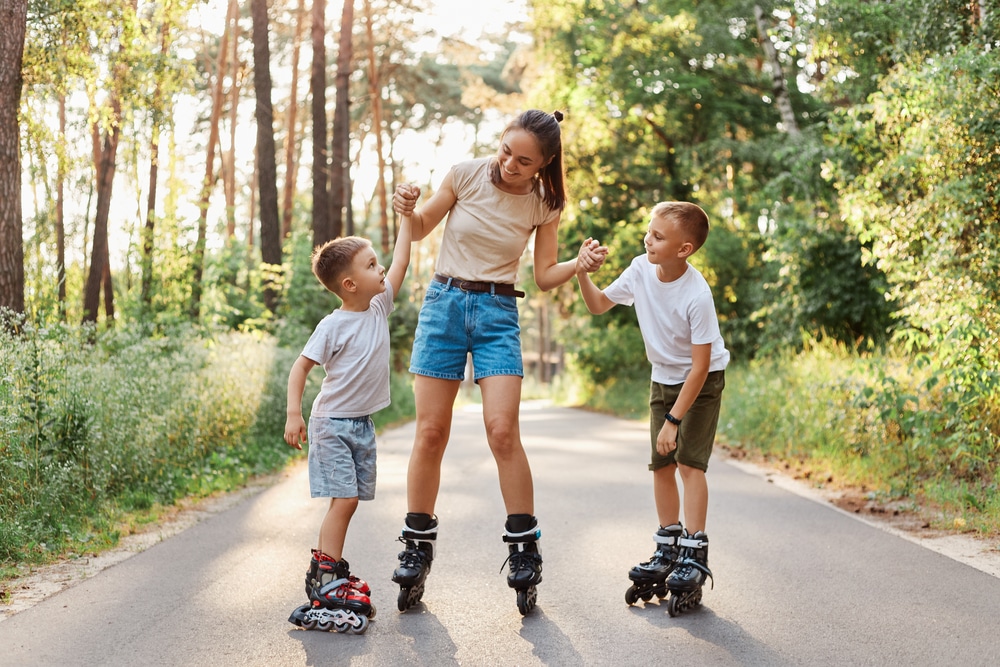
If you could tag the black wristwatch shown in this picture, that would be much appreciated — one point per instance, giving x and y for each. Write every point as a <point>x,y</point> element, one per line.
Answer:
<point>673,420</point>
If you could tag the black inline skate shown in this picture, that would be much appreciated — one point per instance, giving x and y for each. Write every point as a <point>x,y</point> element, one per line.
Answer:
<point>688,578</point>
<point>525,559</point>
<point>649,578</point>
<point>415,559</point>
<point>335,603</point>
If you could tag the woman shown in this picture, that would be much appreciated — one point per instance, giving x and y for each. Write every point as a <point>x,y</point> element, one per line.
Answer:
<point>493,206</point>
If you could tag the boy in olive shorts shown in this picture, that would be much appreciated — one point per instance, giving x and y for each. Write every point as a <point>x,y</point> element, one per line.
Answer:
<point>680,329</point>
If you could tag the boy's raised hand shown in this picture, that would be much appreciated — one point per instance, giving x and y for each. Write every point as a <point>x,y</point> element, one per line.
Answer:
<point>591,256</point>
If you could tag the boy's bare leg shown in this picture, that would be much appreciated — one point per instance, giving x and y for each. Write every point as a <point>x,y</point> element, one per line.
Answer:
<point>435,400</point>
<point>666,495</point>
<point>695,498</point>
<point>333,531</point>
<point>501,406</point>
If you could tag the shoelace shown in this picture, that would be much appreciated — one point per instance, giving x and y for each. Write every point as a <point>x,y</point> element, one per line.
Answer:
<point>519,560</point>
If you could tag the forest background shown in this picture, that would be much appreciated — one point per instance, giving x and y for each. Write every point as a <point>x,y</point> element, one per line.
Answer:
<point>167,167</point>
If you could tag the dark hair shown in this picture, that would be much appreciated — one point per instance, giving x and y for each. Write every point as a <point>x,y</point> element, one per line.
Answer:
<point>692,220</point>
<point>333,258</point>
<point>544,127</point>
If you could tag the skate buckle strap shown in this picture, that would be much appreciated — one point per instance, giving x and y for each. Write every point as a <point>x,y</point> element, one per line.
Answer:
<point>693,542</point>
<point>531,535</point>
<point>670,540</point>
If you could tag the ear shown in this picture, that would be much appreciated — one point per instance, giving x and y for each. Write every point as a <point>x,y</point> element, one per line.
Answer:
<point>686,250</point>
<point>348,285</point>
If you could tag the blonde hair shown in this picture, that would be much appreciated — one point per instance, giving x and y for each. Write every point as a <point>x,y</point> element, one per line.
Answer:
<point>691,219</point>
<point>332,259</point>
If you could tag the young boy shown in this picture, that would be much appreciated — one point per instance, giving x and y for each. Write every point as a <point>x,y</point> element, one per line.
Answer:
<point>680,330</point>
<point>352,345</point>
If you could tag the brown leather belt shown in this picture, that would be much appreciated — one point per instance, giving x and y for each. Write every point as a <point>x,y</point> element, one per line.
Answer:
<point>503,289</point>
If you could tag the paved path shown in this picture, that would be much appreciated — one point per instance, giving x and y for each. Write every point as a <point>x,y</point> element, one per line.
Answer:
<point>797,583</point>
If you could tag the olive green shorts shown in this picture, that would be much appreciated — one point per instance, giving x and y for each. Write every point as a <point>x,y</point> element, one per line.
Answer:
<point>696,434</point>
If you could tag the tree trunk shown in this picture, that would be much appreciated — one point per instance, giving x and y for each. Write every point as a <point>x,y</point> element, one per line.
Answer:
<point>340,167</point>
<point>229,164</point>
<point>781,97</point>
<point>146,290</point>
<point>61,212</point>
<point>267,177</point>
<point>291,165</point>
<point>375,90</point>
<point>99,270</point>
<point>198,261</point>
<point>13,23</point>
<point>320,168</point>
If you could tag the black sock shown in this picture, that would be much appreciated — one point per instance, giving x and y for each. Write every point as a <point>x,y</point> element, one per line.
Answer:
<point>418,521</point>
<point>520,523</point>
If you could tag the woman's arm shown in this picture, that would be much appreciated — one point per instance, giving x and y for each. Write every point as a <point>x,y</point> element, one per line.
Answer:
<point>549,271</point>
<point>422,222</point>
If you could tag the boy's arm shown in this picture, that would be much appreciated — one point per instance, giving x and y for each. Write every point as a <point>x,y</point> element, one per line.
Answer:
<point>295,426</point>
<point>400,255</point>
<point>597,302</point>
<point>701,357</point>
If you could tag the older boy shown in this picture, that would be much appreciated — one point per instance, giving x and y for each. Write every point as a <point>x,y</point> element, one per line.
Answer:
<point>352,345</point>
<point>680,329</point>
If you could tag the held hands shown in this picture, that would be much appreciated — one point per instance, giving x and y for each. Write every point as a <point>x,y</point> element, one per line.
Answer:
<point>404,199</point>
<point>295,431</point>
<point>591,257</point>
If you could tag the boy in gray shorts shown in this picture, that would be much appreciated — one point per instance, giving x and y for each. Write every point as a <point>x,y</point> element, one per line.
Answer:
<point>680,330</point>
<point>352,345</point>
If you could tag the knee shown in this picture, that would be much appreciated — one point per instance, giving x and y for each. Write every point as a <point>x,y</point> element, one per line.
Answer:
<point>503,436</point>
<point>431,436</point>
<point>689,473</point>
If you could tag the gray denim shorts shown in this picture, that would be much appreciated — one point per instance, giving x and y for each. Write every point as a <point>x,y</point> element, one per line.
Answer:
<point>342,458</point>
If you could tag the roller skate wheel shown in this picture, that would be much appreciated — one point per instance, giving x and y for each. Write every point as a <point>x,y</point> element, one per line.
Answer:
<point>631,596</point>
<point>323,626</point>
<point>526,599</point>
<point>340,626</point>
<point>673,605</point>
<point>360,626</point>
<point>401,601</point>
<point>371,614</point>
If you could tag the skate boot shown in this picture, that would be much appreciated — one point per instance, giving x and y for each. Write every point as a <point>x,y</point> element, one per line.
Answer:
<point>525,559</point>
<point>334,603</point>
<point>415,559</point>
<point>360,585</point>
<point>649,578</point>
<point>688,578</point>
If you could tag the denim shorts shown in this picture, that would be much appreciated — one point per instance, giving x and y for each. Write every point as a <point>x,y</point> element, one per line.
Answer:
<point>696,434</point>
<point>342,458</point>
<point>453,323</point>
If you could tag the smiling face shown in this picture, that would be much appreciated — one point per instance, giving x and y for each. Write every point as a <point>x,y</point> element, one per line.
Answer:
<point>520,159</point>
<point>664,240</point>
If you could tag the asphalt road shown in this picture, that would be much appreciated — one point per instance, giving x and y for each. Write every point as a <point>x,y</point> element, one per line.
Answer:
<point>796,583</point>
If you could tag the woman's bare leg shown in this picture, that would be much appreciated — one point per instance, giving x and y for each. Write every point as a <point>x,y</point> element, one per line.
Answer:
<point>501,406</point>
<point>435,400</point>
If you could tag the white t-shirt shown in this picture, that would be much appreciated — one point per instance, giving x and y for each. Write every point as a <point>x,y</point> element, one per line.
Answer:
<point>353,349</point>
<point>488,229</point>
<point>672,317</point>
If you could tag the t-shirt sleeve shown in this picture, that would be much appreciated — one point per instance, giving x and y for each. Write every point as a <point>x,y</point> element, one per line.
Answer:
<point>704,321</point>
<point>321,345</point>
<point>622,290</point>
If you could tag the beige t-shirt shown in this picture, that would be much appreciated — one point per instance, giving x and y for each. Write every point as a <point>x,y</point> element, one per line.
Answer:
<point>488,229</point>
